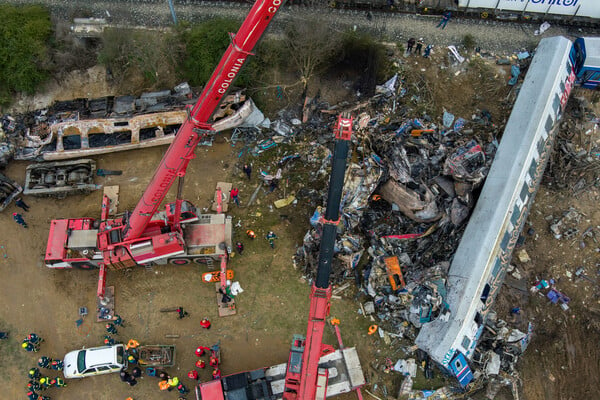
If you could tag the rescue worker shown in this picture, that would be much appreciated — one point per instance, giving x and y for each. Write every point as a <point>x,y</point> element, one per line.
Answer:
<point>59,382</point>
<point>201,349</point>
<point>34,373</point>
<point>214,361</point>
<point>182,389</point>
<point>163,376</point>
<point>34,339</point>
<point>182,313</point>
<point>173,382</point>
<point>234,193</point>
<point>31,395</point>
<point>240,247</point>
<point>19,220</point>
<point>109,341</point>
<point>131,359</point>
<point>111,328</point>
<point>132,344</point>
<point>193,374</point>
<point>44,362</point>
<point>271,236</point>
<point>200,364</point>
<point>164,385</point>
<point>136,372</point>
<point>40,397</point>
<point>250,233</point>
<point>247,170</point>
<point>33,385</point>
<point>124,375</point>
<point>118,320</point>
<point>44,383</point>
<point>216,374</point>
<point>205,323</point>
<point>28,346</point>
<point>57,365</point>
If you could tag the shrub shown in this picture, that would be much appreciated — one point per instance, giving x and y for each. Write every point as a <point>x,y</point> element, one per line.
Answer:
<point>24,35</point>
<point>469,41</point>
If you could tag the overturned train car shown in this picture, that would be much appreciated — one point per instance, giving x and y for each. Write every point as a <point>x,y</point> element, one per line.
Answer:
<point>479,264</point>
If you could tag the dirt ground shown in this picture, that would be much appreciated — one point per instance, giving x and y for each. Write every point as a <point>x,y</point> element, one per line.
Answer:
<point>561,362</point>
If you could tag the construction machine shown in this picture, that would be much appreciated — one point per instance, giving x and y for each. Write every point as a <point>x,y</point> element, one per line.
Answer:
<point>314,371</point>
<point>180,234</point>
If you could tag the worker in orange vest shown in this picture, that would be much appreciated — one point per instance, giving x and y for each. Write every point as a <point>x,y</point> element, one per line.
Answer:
<point>250,233</point>
<point>164,385</point>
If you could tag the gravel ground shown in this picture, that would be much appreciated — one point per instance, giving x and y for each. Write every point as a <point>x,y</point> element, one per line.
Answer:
<point>499,38</point>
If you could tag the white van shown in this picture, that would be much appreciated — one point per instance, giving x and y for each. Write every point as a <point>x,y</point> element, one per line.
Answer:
<point>94,361</point>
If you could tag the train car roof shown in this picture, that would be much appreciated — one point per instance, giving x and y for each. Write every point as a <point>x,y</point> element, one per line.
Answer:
<point>592,51</point>
<point>475,257</point>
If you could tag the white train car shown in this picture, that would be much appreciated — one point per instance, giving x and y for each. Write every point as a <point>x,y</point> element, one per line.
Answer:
<point>573,9</point>
<point>478,267</point>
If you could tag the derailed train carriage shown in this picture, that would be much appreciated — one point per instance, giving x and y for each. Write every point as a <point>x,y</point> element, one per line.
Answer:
<point>479,264</point>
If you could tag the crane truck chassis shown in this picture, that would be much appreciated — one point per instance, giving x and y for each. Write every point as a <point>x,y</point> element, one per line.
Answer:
<point>179,234</point>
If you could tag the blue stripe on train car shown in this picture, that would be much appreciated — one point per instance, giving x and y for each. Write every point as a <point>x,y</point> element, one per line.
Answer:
<point>461,370</point>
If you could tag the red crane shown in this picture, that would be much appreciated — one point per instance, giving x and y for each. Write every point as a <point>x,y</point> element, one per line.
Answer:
<point>306,374</point>
<point>145,236</point>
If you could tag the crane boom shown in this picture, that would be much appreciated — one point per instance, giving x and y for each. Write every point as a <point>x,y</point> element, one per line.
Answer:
<point>304,385</point>
<point>181,151</point>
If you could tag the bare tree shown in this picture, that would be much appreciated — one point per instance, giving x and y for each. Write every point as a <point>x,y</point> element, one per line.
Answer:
<point>312,46</point>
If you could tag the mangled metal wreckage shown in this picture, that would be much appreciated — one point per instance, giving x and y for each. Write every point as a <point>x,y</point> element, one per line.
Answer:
<point>83,128</point>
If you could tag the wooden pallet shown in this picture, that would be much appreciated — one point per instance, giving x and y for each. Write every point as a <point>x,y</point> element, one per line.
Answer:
<point>225,189</point>
<point>225,309</point>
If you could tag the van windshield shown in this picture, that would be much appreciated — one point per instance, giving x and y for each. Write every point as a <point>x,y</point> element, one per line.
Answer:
<point>81,361</point>
<point>120,354</point>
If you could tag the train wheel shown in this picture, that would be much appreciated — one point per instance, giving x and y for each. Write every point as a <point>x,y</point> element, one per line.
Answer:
<point>84,265</point>
<point>200,261</point>
<point>484,15</point>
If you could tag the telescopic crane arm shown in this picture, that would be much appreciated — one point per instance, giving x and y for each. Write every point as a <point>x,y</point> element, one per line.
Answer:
<point>181,151</point>
<point>320,295</point>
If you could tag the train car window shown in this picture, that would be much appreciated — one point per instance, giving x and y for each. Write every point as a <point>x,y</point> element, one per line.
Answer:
<point>484,295</point>
<point>465,345</point>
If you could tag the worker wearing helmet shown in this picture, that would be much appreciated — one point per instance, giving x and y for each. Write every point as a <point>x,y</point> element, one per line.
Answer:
<point>34,339</point>
<point>59,382</point>
<point>200,364</point>
<point>111,328</point>
<point>28,346</point>
<point>34,373</point>
<point>132,344</point>
<point>193,374</point>
<point>164,385</point>
<point>44,362</point>
<point>216,374</point>
<point>250,233</point>
<point>44,383</point>
<point>205,323</point>
<point>131,359</point>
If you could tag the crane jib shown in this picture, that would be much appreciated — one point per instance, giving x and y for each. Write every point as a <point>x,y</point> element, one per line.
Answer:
<point>230,76</point>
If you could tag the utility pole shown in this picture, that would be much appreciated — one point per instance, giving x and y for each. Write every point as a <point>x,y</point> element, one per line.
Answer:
<point>173,12</point>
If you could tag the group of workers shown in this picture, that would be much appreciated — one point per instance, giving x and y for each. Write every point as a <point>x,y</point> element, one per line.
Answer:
<point>270,236</point>
<point>37,381</point>
<point>111,329</point>
<point>32,342</point>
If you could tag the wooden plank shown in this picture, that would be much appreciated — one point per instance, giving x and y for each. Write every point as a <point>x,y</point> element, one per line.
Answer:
<point>225,189</point>
<point>113,195</point>
<point>225,309</point>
